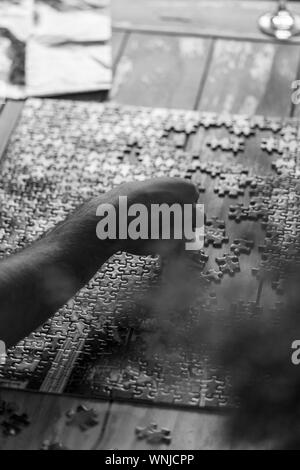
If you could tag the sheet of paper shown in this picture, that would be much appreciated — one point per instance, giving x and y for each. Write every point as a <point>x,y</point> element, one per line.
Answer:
<point>55,70</point>
<point>53,47</point>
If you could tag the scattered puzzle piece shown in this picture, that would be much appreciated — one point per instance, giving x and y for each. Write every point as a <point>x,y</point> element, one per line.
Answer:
<point>241,246</point>
<point>84,418</point>
<point>153,435</point>
<point>215,233</point>
<point>238,212</point>
<point>212,276</point>
<point>229,264</point>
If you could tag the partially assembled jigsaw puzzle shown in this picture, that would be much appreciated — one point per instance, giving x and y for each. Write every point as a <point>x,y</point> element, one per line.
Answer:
<point>132,334</point>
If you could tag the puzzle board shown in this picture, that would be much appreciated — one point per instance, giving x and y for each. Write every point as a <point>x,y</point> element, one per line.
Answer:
<point>113,340</point>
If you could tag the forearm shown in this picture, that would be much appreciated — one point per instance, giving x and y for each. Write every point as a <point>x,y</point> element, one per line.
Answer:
<point>36,282</point>
<point>39,280</point>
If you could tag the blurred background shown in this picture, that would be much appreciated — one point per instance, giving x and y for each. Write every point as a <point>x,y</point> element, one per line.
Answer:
<point>210,55</point>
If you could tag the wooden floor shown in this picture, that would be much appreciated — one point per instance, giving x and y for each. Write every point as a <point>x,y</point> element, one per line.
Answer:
<point>191,54</point>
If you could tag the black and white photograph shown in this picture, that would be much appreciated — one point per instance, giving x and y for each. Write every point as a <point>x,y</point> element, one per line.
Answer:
<point>149,227</point>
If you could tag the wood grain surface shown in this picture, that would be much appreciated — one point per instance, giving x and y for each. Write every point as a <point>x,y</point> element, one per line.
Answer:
<point>235,19</point>
<point>160,71</point>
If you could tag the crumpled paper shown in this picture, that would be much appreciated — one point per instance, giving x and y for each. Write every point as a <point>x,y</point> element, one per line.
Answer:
<point>53,47</point>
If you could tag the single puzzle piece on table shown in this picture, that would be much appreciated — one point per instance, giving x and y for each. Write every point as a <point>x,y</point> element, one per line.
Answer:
<point>215,233</point>
<point>84,418</point>
<point>242,246</point>
<point>152,435</point>
<point>229,264</point>
<point>212,276</point>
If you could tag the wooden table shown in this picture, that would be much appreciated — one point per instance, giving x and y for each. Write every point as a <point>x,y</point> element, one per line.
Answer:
<point>192,54</point>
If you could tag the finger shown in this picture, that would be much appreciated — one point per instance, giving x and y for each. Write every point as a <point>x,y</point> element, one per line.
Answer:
<point>184,189</point>
<point>170,191</point>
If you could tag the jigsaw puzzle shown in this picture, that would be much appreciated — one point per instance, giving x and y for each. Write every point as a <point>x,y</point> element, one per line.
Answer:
<point>133,333</point>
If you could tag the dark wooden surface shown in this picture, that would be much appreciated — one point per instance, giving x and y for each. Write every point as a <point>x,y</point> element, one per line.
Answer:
<point>197,54</point>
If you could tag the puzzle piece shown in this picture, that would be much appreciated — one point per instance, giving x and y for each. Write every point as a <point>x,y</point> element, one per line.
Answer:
<point>208,120</point>
<point>153,435</point>
<point>242,246</point>
<point>212,168</point>
<point>242,126</point>
<point>198,259</point>
<point>258,209</point>
<point>273,125</point>
<point>229,264</point>
<point>284,165</point>
<point>84,418</point>
<point>212,276</point>
<point>228,185</point>
<point>289,132</point>
<point>215,233</point>
<point>238,212</point>
<point>270,145</point>
<point>227,144</point>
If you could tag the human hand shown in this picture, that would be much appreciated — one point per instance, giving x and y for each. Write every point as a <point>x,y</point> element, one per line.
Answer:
<point>167,191</point>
